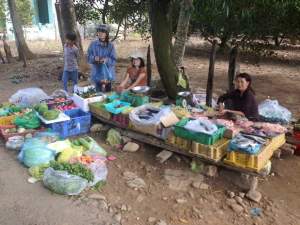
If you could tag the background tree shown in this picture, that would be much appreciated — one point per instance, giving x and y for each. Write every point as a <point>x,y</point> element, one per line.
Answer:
<point>23,50</point>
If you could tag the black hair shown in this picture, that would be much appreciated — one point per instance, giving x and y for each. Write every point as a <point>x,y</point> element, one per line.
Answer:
<point>248,78</point>
<point>142,62</point>
<point>71,36</point>
<point>107,35</point>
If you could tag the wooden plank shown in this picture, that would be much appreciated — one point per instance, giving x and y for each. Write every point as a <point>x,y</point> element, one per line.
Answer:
<point>151,140</point>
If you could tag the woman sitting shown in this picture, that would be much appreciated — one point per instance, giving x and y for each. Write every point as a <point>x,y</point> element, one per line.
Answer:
<point>136,74</point>
<point>242,100</point>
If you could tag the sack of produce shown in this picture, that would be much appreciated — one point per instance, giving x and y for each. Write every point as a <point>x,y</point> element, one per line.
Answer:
<point>28,97</point>
<point>38,171</point>
<point>271,111</point>
<point>61,182</point>
<point>34,152</point>
<point>28,121</point>
<point>15,143</point>
<point>114,138</point>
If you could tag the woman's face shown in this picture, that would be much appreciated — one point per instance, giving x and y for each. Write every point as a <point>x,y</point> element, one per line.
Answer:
<point>137,62</point>
<point>101,35</point>
<point>241,84</point>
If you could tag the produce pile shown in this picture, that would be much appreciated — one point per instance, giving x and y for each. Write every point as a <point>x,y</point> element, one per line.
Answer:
<point>60,103</point>
<point>91,92</point>
<point>45,112</point>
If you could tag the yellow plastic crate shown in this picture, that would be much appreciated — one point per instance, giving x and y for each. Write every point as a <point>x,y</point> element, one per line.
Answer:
<point>6,121</point>
<point>181,143</point>
<point>214,152</point>
<point>258,161</point>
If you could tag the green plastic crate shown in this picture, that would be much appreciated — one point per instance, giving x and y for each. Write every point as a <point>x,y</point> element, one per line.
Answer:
<point>201,138</point>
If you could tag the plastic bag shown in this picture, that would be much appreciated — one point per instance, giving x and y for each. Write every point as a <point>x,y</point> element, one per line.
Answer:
<point>59,93</point>
<point>61,182</point>
<point>99,170</point>
<point>28,97</point>
<point>103,73</point>
<point>271,111</point>
<point>47,136</point>
<point>29,121</point>
<point>68,153</point>
<point>59,146</point>
<point>38,171</point>
<point>199,99</point>
<point>34,152</point>
<point>15,143</point>
<point>114,138</point>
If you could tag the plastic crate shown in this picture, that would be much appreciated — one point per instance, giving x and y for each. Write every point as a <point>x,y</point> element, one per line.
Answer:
<point>79,123</point>
<point>121,120</point>
<point>7,121</point>
<point>201,138</point>
<point>255,162</point>
<point>8,135</point>
<point>98,109</point>
<point>112,107</point>
<point>83,103</point>
<point>179,142</point>
<point>214,152</point>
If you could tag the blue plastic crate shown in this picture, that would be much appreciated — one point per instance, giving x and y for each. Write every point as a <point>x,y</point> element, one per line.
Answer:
<point>79,124</point>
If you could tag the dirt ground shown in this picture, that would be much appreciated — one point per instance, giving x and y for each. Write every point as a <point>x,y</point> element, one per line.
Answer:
<point>31,204</point>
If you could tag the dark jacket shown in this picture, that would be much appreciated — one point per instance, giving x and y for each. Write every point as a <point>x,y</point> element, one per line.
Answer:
<point>245,103</point>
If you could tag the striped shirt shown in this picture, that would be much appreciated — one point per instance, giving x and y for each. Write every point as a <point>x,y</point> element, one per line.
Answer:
<point>70,58</point>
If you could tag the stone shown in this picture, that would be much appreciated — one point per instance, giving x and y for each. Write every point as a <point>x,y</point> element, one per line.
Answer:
<point>161,222</point>
<point>117,217</point>
<point>131,147</point>
<point>191,194</point>
<point>180,180</point>
<point>242,194</point>
<point>254,195</point>
<point>196,184</point>
<point>103,205</point>
<point>165,198</point>
<point>254,183</point>
<point>164,156</point>
<point>181,200</point>
<point>231,194</point>
<point>151,219</point>
<point>239,200</point>
<point>234,206</point>
<point>126,139</point>
<point>197,212</point>
<point>140,198</point>
<point>204,186</point>
<point>241,180</point>
<point>123,208</point>
<point>133,181</point>
<point>211,171</point>
<point>97,197</point>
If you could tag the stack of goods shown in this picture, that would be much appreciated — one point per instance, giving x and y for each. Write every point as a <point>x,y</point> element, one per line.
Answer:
<point>147,119</point>
<point>60,103</point>
<point>81,163</point>
<point>83,99</point>
<point>271,111</point>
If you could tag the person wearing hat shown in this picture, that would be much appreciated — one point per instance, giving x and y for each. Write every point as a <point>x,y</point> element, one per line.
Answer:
<point>136,74</point>
<point>102,56</point>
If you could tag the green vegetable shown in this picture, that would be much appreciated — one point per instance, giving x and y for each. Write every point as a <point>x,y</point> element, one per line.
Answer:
<point>28,121</point>
<point>41,108</point>
<point>75,169</point>
<point>38,171</point>
<point>51,114</point>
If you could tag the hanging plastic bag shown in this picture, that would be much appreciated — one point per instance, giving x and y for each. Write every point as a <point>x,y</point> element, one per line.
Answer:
<point>15,143</point>
<point>103,73</point>
<point>34,152</point>
<point>28,97</point>
<point>61,182</point>
<point>114,138</point>
<point>271,111</point>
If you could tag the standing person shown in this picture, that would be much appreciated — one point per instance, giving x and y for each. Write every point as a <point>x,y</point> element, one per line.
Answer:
<point>242,100</point>
<point>71,55</point>
<point>102,57</point>
<point>136,74</point>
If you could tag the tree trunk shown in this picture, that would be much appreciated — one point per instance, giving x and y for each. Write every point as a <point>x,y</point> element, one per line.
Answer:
<point>149,69</point>
<point>125,29</point>
<point>232,68</point>
<point>161,25</point>
<point>59,22</point>
<point>7,50</point>
<point>182,31</point>
<point>276,40</point>
<point>22,47</point>
<point>1,57</point>
<point>211,71</point>
<point>105,9</point>
<point>68,19</point>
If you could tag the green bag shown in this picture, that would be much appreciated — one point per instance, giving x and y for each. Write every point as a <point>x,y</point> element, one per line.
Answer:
<point>28,121</point>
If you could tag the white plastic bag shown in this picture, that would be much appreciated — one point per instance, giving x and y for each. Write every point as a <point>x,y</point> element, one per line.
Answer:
<point>15,143</point>
<point>28,97</point>
<point>99,170</point>
<point>271,111</point>
<point>61,182</point>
